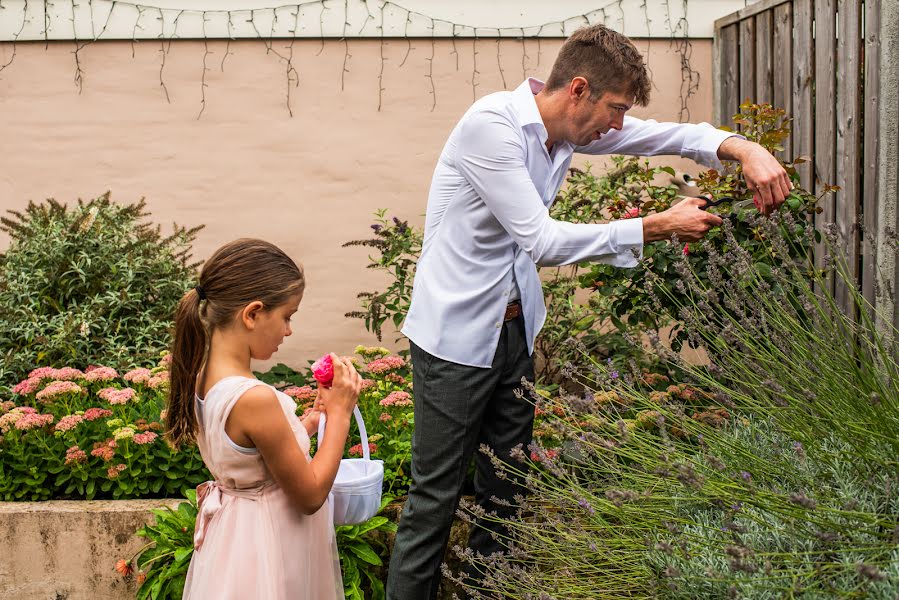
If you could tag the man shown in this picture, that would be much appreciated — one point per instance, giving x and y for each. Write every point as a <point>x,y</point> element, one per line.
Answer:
<point>477,302</point>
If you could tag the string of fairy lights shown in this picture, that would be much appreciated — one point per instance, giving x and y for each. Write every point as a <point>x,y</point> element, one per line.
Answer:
<point>503,37</point>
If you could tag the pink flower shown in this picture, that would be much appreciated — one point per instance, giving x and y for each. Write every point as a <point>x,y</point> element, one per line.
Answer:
<point>385,417</point>
<point>138,376</point>
<point>27,386</point>
<point>159,380</point>
<point>367,383</point>
<point>92,414</point>
<point>357,449</point>
<point>58,388</point>
<point>386,364</point>
<point>123,566</point>
<point>115,396</point>
<point>6,406</point>
<point>631,213</point>
<point>301,394</point>
<point>397,399</point>
<point>144,438</point>
<point>686,249</point>
<point>8,420</point>
<point>166,360</point>
<point>67,374</point>
<point>323,371</point>
<point>33,421</point>
<point>101,374</point>
<point>75,455</point>
<point>68,422</point>
<point>43,373</point>
<point>113,472</point>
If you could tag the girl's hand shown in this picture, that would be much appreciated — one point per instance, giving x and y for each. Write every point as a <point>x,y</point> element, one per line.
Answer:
<point>312,415</point>
<point>340,399</point>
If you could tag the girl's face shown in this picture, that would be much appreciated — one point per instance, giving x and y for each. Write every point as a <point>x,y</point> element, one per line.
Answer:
<point>271,327</point>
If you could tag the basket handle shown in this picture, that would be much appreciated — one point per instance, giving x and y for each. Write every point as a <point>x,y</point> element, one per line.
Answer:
<point>366,453</point>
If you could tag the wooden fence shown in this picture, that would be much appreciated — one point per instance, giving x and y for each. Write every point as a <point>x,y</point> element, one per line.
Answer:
<point>824,62</point>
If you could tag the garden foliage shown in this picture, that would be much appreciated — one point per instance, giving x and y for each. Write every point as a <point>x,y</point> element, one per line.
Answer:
<point>92,283</point>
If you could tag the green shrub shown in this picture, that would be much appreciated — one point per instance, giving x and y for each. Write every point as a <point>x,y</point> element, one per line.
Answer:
<point>90,283</point>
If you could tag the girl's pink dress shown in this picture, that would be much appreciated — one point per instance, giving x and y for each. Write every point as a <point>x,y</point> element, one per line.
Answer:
<point>249,541</point>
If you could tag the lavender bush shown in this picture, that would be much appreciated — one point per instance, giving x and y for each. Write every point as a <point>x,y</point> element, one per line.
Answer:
<point>782,485</point>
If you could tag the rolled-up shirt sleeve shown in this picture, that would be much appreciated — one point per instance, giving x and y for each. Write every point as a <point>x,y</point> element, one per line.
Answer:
<point>490,155</point>
<point>638,137</point>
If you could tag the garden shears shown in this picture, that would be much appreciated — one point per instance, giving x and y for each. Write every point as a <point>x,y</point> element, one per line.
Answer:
<point>736,205</point>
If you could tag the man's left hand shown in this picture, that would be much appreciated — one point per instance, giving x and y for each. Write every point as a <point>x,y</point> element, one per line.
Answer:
<point>765,177</point>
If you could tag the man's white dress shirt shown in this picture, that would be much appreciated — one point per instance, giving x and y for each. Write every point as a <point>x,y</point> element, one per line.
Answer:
<point>488,220</point>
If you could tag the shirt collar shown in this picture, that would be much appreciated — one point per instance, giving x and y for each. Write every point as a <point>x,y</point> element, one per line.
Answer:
<point>525,102</point>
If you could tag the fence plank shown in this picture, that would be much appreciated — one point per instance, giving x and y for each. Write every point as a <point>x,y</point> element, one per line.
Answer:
<point>871,150</point>
<point>848,161</point>
<point>783,67</point>
<point>747,60</point>
<point>825,116</point>
<point>764,77</point>
<point>803,106</point>
<point>730,69</point>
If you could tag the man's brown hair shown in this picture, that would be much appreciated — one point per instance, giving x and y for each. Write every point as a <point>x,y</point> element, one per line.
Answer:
<point>608,61</point>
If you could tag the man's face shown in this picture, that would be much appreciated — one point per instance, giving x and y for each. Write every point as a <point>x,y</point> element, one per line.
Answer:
<point>591,120</point>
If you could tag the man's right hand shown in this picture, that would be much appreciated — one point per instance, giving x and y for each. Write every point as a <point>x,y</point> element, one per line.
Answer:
<point>686,219</point>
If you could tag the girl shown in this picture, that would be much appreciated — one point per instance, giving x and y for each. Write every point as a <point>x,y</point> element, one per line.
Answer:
<point>263,528</point>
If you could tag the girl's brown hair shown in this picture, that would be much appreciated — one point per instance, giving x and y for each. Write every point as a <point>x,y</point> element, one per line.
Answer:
<point>607,59</point>
<point>239,273</point>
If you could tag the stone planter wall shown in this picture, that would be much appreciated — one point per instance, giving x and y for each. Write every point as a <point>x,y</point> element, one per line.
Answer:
<point>67,550</point>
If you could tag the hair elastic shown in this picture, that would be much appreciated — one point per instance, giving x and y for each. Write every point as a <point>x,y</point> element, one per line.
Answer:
<point>200,292</point>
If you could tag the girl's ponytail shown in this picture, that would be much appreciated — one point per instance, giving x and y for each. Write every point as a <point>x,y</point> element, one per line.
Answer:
<point>238,273</point>
<point>188,354</point>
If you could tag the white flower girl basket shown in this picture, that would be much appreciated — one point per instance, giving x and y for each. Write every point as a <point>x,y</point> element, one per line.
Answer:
<point>356,494</point>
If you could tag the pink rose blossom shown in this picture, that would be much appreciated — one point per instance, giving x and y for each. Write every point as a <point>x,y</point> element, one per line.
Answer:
<point>33,421</point>
<point>631,212</point>
<point>138,376</point>
<point>101,374</point>
<point>27,386</point>
<point>301,394</point>
<point>385,365</point>
<point>146,437</point>
<point>357,449</point>
<point>686,249</point>
<point>58,388</point>
<point>75,455</point>
<point>115,396</point>
<point>323,371</point>
<point>397,399</point>
<point>68,422</point>
<point>92,414</point>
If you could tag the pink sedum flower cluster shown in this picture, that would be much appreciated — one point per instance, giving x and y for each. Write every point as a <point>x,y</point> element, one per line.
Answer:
<point>114,471</point>
<point>33,421</point>
<point>100,374</point>
<point>397,399</point>
<point>75,455</point>
<point>58,388</point>
<point>159,380</point>
<point>385,365</point>
<point>138,376</point>
<point>8,420</point>
<point>68,422</point>
<point>147,437</point>
<point>116,396</point>
<point>357,449</point>
<point>27,386</point>
<point>301,394</point>
<point>92,414</point>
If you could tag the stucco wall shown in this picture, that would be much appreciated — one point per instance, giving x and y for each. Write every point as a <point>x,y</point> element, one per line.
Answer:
<point>245,167</point>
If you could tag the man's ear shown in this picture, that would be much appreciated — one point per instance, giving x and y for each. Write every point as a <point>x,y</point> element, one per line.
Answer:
<point>250,314</point>
<point>579,89</point>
